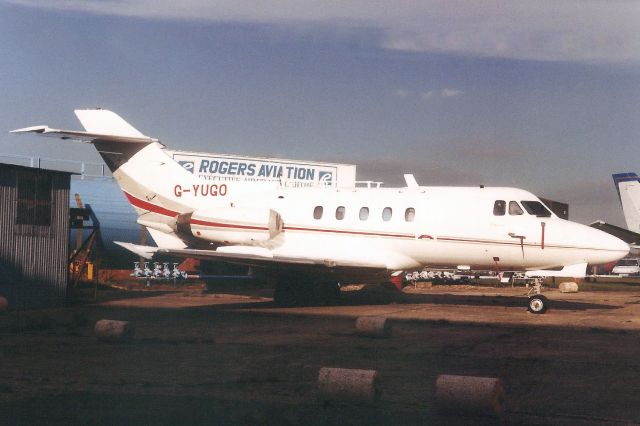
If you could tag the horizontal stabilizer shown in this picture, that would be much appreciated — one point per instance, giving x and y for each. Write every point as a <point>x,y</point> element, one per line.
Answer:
<point>83,136</point>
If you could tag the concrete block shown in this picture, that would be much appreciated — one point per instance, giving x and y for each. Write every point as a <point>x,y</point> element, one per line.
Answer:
<point>470,395</point>
<point>373,326</point>
<point>345,385</point>
<point>114,331</point>
<point>568,287</point>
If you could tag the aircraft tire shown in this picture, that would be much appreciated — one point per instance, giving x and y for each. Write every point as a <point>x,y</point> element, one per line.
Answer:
<point>538,304</point>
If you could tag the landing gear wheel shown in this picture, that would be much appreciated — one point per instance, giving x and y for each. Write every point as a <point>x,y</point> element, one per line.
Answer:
<point>538,304</point>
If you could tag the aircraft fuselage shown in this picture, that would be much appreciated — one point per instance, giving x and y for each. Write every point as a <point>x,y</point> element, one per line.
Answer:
<point>403,228</point>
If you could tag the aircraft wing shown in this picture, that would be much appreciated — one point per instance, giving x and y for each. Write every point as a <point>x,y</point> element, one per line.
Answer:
<point>255,256</point>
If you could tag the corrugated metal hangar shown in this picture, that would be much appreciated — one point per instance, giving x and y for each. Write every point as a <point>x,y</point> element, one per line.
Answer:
<point>34,236</point>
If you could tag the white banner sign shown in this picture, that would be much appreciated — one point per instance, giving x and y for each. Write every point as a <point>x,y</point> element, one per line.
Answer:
<point>287,173</point>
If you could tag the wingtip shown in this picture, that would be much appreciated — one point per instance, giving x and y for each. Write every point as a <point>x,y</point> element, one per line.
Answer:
<point>36,129</point>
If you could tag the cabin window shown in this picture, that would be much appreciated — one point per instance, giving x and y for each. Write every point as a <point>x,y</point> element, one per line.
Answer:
<point>364,213</point>
<point>340,213</point>
<point>386,214</point>
<point>536,208</point>
<point>34,199</point>
<point>317,212</point>
<point>499,208</point>
<point>410,214</point>
<point>515,209</point>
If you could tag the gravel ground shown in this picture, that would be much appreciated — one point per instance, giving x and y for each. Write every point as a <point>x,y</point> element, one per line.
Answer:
<point>202,357</point>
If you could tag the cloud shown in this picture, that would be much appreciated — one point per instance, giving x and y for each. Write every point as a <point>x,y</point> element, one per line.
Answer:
<point>448,93</point>
<point>428,95</point>
<point>545,30</point>
<point>444,93</point>
<point>401,93</point>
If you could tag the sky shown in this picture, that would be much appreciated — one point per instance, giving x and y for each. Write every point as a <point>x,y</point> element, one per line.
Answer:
<point>541,95</point>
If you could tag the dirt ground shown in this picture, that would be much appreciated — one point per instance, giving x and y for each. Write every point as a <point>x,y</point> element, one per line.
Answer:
<point>229,356</point>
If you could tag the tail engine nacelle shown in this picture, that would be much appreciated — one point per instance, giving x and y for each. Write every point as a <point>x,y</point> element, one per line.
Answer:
<point>231,225</point>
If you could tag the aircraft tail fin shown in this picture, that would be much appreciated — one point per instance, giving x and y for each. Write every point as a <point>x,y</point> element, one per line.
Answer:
<point>105,122</point>
<point>628,187</point>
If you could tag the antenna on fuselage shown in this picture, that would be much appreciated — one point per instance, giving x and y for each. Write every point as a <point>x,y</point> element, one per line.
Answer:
<point>411,181</point>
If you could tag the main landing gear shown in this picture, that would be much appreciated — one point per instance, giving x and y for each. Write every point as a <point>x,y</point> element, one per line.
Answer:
<point>538,304</point>
<point>292,293</point>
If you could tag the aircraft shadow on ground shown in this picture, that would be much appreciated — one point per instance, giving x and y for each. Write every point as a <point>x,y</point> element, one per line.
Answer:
<point>363,298</point>
<point>378,297</point>
<point>136,294</point>
<point>503,301</point>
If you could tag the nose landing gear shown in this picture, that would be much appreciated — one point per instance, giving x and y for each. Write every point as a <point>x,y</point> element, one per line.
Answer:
<point>538,304</point>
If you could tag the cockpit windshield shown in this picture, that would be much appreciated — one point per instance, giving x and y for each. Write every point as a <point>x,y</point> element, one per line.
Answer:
<point>515,209</point>
<point>536,208</point>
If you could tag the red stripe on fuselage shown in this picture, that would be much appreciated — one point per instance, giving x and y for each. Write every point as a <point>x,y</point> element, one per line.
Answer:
<point>294,228</point>
<point>149,206</point>
<point>338,231</point>
<point>161,210</point>
<point>512,243</point>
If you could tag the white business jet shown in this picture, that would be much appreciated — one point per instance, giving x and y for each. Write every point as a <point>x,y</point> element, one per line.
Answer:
<point>328,235</point>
